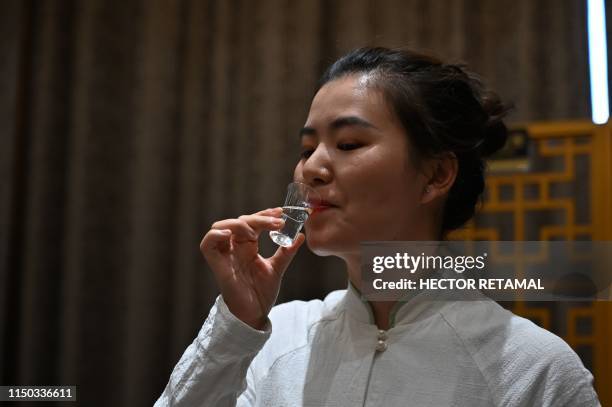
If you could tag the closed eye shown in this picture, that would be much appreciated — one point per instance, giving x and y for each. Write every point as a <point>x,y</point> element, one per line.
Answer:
<point>342,146</point>
<point>348,146</point>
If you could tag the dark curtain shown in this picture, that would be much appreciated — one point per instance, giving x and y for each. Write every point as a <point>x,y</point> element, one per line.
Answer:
<point>128,127</point>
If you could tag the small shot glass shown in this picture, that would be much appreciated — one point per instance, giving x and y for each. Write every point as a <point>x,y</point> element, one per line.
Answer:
<point>299,204</point>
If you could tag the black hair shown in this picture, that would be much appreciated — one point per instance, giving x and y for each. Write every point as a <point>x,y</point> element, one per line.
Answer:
<point>443,108</point>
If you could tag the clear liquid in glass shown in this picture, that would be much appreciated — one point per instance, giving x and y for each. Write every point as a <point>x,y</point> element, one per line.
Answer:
<point>294,217</point>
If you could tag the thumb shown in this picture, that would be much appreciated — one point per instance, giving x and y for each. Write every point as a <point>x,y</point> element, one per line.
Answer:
<point>283,256</point>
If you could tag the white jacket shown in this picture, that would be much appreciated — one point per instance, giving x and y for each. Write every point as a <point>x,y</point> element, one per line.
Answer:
<point>324,353</point>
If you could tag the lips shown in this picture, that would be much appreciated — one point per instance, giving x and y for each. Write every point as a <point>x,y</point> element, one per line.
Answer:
<point>322,205</point>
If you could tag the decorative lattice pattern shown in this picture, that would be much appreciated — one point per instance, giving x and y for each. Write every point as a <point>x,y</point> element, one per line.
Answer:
<point>563,195</point>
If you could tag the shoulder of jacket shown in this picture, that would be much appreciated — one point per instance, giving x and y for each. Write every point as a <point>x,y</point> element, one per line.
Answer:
<point>509,349</point>
<point>485,321</point>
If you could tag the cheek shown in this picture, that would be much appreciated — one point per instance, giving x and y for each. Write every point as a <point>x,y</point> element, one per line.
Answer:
<point>385,182</point>
<point>385,194</point>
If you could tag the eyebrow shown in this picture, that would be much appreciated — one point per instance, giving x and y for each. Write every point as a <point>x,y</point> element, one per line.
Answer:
<point>340,122</point>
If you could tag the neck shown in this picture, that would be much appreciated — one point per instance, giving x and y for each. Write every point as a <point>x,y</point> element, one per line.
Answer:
<point>380,309</point>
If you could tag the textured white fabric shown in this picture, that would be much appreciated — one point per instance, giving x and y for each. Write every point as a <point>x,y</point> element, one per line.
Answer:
<point>322,353</point>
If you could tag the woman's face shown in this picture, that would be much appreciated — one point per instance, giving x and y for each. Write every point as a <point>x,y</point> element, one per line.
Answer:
<point>355,153</point>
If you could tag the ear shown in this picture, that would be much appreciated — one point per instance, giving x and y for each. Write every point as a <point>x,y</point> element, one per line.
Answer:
<point>441,176</point>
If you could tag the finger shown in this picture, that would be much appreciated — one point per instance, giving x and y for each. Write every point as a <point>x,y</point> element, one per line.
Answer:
<point>283,256</point>
<point>215,242</point>
<point>260,223</point>
<point>241,230</point>
<point>271,211</point>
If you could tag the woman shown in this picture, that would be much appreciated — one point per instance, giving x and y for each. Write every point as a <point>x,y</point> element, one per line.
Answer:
<point>394,143</point>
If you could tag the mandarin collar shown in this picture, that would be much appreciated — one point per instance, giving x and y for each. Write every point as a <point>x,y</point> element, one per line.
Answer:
<point>417,305</point>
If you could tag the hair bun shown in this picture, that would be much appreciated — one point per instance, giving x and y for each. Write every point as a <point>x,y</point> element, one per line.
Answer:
<point>495,131</point>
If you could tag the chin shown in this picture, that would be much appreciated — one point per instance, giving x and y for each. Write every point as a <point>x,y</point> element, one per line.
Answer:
<point>329,245</point>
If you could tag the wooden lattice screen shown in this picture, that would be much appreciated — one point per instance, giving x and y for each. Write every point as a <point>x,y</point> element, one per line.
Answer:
<point>562,191</point>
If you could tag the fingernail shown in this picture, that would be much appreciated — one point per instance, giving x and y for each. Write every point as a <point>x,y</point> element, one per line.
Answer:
<point>278,222</point>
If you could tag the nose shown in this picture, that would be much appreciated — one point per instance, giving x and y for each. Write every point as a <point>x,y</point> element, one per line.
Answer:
<point>316,169</point>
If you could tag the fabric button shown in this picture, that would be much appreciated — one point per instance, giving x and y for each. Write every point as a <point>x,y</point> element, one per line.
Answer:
<point>381,346</point>
<point>382,335</point>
